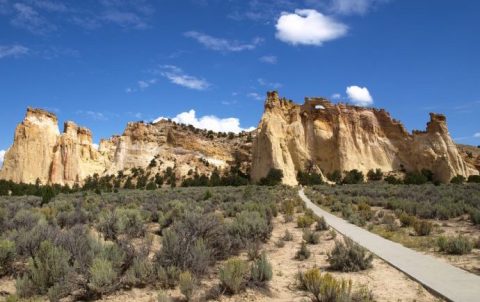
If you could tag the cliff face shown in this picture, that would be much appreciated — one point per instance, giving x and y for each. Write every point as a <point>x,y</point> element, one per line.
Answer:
<point>343,137</point>
<point>40,151</point>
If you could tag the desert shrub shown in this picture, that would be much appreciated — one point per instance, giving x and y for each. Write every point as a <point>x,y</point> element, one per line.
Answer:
<point>233,275</point>
<point>474,179</point>
<point>131,222</point>
<point>287,236</point>
<point>25,287</point>
<point>26,219</point>
<point>305,221</point>
<point>288,209</point>
<point>308,179</point>
<point>250,226</point>
<point>423,227</point>
<point>321,224</point>
<point>261,270</point>
<point>374,175</point>
<point>50,266</point>
<point>353,177</point>
<point>167,276</point>
<point>102,275</point>
<point>335,176</point>
<point>475,216</point>
<point>407,220</point>
<point>140,272</point>
<point>273,178</point>
<point>311,237</point>
<point>163,297</point>
<point>390,222</point>
<point>324,288</point>
<point>7,255</point>
<point>390,179</point>
<point>415,178</point>
<point>303,252</point>
<point>333,234</point>
<point>454,245</point>
<point>476,243</point>
<point>253,250</point>
<point>349,257</point>
<point>458,179</point>
<point>108,225</point>
<point>187,285</point>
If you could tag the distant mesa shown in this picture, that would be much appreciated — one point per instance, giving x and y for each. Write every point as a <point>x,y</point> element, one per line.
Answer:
<point>330,136</point>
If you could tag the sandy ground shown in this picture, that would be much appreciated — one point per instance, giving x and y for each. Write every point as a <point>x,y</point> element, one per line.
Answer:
<point>385,282</point>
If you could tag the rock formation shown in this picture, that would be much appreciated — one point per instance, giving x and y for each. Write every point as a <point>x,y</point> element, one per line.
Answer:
<point>41,152</point>
<point>327,136</point>
<point>344,137</point>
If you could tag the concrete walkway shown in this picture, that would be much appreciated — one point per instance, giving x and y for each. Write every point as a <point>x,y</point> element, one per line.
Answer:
<point>444,279</point>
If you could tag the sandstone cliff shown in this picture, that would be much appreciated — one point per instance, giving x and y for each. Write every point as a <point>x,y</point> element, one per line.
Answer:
<point>344,137</point>
<point>40,151</point>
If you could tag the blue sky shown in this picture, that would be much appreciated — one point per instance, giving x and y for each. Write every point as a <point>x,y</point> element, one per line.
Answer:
<point>103,63</point>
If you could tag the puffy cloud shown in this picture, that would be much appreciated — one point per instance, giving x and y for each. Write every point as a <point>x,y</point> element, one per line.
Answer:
<point>177,76</point>
<point>13,51</point>
<point>208,122</point>
<point>269,59</point>
<point>308,27</point>
<point>220,44</point>
<point>2,156</point>
<point>359,96</point>
<point>477,135</point>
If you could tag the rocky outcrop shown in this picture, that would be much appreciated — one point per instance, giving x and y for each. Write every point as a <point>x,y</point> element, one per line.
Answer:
<point>344,137</point>
<point>41,152</point>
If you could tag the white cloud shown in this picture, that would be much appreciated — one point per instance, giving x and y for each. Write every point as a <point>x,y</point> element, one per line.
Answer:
<point>270,85</point>
<point>336,96</point>
<point>125,19</point>
<point>477,135</point>
<point>177,76</point>
<point>359,96</point>
<point>2,156</point>
<point>220,44</point>
<point>208,122</point>
<point>94,115</point>
<point>255,96</point>
<point>95,146</point>
<point>28,18</point>
<point>13,51</point>
<point>354,7</point>
<point>269,59</point>
<point>308,27</point>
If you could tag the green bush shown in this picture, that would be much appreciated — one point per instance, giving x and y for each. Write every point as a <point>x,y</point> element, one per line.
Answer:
<point>261,270</point>
<point>131,222</point>
<point>303,252</point>
<point>163,297</point>
<point>311,237</point>
<point>324,288</point>
<point>375,175</point>
<point>353,177</point>
<point>25,287</point>
<point>102,275</point>
<point>273,178</point>
<point>407,220</point>
<point>141,272</point>
<point>349,257</point>
<point>49,267</point>
<point>251,226</point>
<point>475,216</point>
<point>335,176</point>
<point>233,275</point>
<point>287,236</point>
<point>423,227</point>
<point>390,179</point>
<point>7,255</point>
<point>167,276</point>
<point>454,245</point>
<point>321,224</point>
<point>253,250</point>
<point>305,221</point>
<point>187,285</point>
<point>308,179</point>
<point>415,178</point>
<point>108,225</point>
<point>458,179</point>
<point>474,179</point>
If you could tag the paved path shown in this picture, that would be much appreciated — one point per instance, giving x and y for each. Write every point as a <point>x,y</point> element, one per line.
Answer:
<point>446,280</point>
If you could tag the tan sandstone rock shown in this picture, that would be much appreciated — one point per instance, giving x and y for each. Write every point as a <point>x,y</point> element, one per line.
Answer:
<point>344,137</point>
